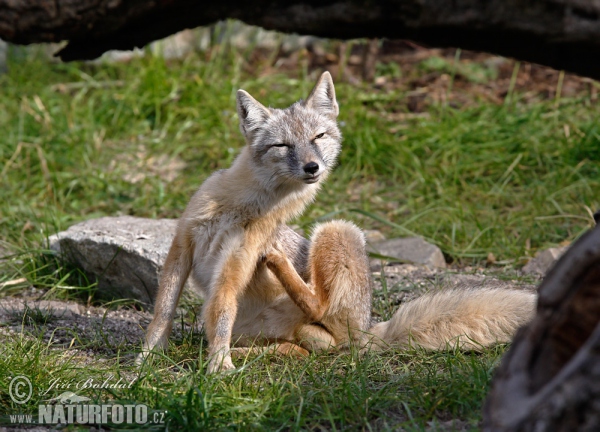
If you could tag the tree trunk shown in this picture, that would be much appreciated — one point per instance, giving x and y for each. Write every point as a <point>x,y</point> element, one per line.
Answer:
<point>564,34</point>
<point>550,378</point>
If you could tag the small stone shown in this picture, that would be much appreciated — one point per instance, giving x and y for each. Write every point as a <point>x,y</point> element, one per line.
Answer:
<point>125,254</point>
<point>544,260</point>
<point>411,249</point>
<point>373,236</point>
<point>380,81</point>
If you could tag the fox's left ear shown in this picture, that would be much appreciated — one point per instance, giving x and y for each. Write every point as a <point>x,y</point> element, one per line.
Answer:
<point>322,97</point>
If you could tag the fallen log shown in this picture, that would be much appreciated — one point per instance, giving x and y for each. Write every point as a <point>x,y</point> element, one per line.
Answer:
<point>564,34</point>
<point>550,378</point>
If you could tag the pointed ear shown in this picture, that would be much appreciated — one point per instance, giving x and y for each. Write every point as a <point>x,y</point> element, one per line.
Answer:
<point>322,97</point>
<point>251,112</point>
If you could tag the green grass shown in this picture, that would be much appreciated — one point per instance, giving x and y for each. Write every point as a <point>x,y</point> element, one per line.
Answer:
<point>506,179</point>
<point>487,178</point>
<point>333,391</point>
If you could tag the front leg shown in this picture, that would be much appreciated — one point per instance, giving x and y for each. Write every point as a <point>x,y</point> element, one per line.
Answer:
<point>312,305</point>
<point>235,271</point>
<point>175,272</point>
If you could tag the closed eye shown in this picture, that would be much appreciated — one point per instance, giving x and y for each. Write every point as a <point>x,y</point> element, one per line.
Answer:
<point>321,135</point>
<point>280,145</point>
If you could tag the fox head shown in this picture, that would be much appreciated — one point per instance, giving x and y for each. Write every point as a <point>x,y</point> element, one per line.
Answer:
<point>299,144</point>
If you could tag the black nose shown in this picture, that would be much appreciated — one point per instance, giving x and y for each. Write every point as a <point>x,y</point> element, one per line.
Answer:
<point>596,215</point>
<point>311,167</point>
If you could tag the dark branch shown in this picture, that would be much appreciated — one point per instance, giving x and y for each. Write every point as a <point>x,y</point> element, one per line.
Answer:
<point>564,34</point>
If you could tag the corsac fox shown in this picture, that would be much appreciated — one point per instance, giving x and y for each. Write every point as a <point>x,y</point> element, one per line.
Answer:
<point>265,284</point>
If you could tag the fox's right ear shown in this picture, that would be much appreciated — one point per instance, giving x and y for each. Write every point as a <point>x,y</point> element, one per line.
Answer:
<point>322,97</point>
<point>251,113</point>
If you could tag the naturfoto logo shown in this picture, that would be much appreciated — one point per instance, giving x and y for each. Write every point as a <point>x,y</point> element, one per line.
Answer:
<point>93,414</point>
<point>71,408</point>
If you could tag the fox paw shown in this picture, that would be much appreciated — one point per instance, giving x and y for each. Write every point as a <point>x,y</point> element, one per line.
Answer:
<point>241,352</point>
<point>292,350</point>
<point>220,363</point>
<point>275,261</point>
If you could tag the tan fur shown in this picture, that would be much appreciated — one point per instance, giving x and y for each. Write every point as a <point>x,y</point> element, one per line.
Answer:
<point>264,284</point>
<point>468,319</point>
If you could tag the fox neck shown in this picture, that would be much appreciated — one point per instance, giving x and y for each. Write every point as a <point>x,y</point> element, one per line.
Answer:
<point>262,195</point>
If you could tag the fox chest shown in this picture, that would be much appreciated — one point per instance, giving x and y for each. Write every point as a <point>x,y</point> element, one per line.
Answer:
<point>217,241</point>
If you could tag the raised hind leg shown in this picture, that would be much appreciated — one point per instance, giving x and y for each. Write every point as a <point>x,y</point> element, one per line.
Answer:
<point>338,296</point>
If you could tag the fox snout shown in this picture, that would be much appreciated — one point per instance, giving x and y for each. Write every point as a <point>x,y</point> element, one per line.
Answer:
<point>311,168</point>
<point>311,171</point>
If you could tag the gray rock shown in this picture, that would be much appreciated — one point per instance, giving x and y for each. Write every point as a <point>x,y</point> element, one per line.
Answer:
<point>544,260</point>
<point>411,249</point>
<point>125,254</point>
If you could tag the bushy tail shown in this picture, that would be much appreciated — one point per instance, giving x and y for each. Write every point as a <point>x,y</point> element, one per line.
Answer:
<point>469,319</point>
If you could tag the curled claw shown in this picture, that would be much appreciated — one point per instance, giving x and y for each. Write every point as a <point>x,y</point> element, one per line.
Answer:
<point>274,258</point>
<point>270,258</point>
